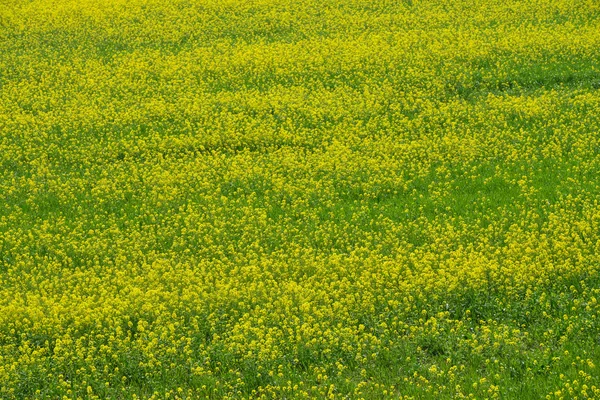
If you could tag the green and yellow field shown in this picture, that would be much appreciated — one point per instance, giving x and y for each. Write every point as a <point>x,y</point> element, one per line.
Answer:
<point>290,199</point>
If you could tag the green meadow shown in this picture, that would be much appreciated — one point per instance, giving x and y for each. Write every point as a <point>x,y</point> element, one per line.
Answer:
<point>272,199</point>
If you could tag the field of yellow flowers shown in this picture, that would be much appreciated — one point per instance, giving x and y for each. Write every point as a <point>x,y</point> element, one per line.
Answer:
<point>292,199</point>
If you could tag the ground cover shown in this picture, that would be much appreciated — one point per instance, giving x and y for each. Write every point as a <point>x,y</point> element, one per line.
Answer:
<point>299,199</point>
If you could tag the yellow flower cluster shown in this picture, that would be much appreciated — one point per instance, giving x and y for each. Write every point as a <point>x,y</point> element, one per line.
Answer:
<point>299,199</point>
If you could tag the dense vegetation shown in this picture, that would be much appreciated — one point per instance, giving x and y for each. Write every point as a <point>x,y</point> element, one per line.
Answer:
<point>299,199</point>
